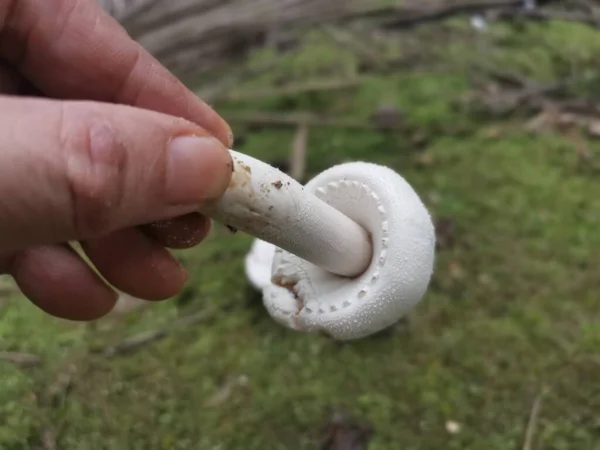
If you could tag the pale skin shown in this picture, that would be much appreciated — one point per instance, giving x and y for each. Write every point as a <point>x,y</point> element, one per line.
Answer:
<point>101,145</point>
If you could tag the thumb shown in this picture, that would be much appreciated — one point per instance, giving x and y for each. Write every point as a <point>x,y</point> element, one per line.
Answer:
<point>77,170</point>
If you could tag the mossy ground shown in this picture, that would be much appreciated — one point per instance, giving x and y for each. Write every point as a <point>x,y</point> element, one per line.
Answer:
<point>512,311</point>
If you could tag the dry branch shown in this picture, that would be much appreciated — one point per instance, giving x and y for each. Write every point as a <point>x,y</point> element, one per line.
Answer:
<point>532,423</point>
<point>298,155</point>
<point>139,340</point>
<point>19,359</point>
<point>541,14</point>
<point>415,12</point>
<point>293,89</point>
<point>513,91</point>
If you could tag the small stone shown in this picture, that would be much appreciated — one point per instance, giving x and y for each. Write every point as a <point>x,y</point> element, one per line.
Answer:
<point>453,427</point>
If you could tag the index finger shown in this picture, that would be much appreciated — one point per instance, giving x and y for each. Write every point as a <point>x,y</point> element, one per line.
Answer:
<point>72,49</point>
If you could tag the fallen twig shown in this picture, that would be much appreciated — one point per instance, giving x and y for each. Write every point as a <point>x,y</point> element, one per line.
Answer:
<point>293,89</point>
<point>408,16</point>
<point>516,80</point>
<point>542,14</point>
<point>532,423</point>
<point>19,359</point>
<point>536,99</point>
<point>512,91</point>
<point>133,343</point>
<point>298,156</point>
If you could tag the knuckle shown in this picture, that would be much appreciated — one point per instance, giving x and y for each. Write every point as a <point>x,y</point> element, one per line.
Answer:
<point>96,161</point>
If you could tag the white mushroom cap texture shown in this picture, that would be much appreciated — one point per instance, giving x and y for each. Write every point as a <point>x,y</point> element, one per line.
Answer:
<point>258,264</point>
<point>307,298</point>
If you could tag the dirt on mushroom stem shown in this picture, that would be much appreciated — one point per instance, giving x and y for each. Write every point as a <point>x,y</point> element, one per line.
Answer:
<point>289,286</point>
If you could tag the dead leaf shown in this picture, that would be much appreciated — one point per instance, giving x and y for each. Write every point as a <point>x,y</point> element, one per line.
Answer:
<point>343,434</point>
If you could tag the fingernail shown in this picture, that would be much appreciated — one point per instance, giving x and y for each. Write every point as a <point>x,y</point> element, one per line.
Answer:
<point>198,170</point>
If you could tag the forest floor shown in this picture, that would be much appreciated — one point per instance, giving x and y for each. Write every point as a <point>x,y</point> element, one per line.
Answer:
<point>502,352</point>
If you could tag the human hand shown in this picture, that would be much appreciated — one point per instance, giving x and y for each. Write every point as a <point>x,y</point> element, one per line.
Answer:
<point>97,140</point>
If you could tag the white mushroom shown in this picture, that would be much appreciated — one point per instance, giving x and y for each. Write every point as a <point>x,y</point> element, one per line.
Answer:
<point>352,251</point>
<point>258,263</point>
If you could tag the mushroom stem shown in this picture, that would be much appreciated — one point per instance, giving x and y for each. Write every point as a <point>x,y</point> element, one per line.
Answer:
<point>270,205</point>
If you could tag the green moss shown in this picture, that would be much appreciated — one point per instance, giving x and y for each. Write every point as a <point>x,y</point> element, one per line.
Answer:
<point>18,411</point>
<point>512,308</point>
<point>542,51</point>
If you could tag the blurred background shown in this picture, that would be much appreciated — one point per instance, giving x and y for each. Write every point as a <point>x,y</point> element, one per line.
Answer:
<point>491,110</point>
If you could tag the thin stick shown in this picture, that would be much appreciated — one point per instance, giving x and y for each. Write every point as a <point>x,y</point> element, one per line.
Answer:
<point>532,424</point>
<point>538,14</point>
<point>298,156</point>
<point>21,359</point>
<point>293,89</point>
<point>133,343</point>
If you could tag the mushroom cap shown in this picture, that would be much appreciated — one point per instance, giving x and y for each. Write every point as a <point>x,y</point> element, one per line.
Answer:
<point>307,298</point>
<point>258,263</point>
